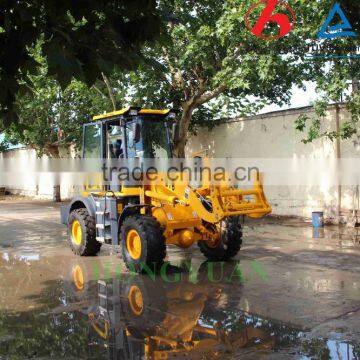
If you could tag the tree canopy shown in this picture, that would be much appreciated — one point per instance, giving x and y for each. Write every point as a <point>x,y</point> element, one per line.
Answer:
<point>50,117</point>
<point>337,80</point>
<point>207,63</point>
<point>82,40</point>
<point>212,66</point>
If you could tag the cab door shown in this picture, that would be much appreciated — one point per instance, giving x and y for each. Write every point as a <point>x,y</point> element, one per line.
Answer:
<point>134,143</point>
<point>94,150</point>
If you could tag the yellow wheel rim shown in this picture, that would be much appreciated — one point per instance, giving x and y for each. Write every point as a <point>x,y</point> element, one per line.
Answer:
<point>78,277</point>
<point>76,232</point>
<point>133,244</point>
<point>136,300</point>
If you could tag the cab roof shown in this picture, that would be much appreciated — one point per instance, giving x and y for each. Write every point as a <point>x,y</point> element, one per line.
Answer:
<point>132,111</point>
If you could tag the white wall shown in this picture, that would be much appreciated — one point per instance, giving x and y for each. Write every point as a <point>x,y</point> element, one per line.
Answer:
<point>273,135</point>
<point>27,185</point>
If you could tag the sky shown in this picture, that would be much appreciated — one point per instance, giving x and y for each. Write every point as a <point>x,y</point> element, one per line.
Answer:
<point>299,98</point>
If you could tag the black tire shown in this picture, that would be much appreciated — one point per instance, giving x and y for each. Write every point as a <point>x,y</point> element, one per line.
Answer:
<point>89,246</point>
<point>229,244</point>
<point>153,246</point>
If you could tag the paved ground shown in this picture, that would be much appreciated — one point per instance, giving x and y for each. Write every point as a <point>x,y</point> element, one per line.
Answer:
<point>291,293</point>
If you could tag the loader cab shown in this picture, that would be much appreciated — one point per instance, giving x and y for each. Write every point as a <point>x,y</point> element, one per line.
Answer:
<point>129,133</point>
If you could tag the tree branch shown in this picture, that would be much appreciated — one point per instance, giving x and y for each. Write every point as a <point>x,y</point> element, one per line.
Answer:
<point>111,94</point>
<point>159,68</point>
<point>207,96</point>
<point>99,91</point>
<point>177,77</point>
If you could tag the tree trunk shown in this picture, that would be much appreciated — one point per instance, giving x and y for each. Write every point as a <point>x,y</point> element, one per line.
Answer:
<point>182,132</point>
<point>355,85</point>
<point>56,193</point>
<point>179,148</point>
<point>53,151</point>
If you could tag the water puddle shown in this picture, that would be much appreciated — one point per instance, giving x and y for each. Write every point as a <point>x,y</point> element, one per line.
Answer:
<point>167,316</point>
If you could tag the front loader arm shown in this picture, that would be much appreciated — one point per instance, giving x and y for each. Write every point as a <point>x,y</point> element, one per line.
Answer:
<point>226,201</point>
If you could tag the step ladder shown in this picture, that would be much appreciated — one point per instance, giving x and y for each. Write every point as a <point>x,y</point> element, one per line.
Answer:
<point>103,223</point>
<point>106,219</point>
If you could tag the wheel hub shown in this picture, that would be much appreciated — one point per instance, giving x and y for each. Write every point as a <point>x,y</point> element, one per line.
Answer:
<point>76,232</point>
<point>133,244</point>
<point>136,300</point>
<point>78,277</point>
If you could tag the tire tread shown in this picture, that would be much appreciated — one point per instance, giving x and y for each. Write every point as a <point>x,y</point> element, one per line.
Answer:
<point>150,229</point>
<point>233,235</point>
<point>91,246</point>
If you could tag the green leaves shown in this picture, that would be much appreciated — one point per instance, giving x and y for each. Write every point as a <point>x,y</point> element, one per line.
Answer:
<point>336,83</point>
<point>300,122</point>
<point>4,145</point>
<point>50,117</point>
<point>80,39</point>
<point>206,61</point>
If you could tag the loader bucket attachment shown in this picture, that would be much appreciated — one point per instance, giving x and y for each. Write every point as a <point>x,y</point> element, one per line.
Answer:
<point>228,201</point>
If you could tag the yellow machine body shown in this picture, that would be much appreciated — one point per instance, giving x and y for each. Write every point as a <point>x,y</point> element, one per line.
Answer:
<point>182,214</point>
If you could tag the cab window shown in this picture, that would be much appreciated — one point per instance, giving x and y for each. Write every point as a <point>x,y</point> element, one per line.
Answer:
<point>92,141</point>
<point>115,141</point>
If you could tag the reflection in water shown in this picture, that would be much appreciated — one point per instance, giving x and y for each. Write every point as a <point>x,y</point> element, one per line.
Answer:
<point>160,320</point>
<point>136,317</point>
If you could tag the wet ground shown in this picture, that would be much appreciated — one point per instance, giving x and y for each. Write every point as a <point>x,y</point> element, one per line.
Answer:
<point>290,294</point>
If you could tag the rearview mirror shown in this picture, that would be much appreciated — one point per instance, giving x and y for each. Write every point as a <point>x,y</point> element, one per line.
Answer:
<point>175,130</point>
<point>137,132</point>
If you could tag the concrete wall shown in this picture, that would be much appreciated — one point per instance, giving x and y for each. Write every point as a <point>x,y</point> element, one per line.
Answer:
<point>273,135</point>
<point>28,186</point>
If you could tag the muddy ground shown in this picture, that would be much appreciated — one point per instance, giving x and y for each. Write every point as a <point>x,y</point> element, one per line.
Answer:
<point>292,293</point>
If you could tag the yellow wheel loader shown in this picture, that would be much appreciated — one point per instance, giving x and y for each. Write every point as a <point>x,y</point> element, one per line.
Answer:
<point>144,219</point>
